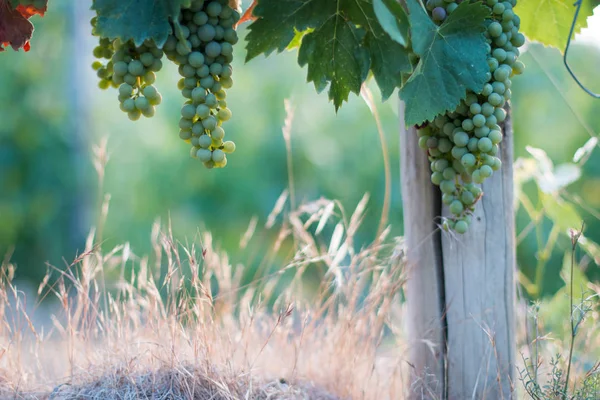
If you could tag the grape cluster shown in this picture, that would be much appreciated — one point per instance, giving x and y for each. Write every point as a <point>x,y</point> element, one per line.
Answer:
<point>462,145</point>
<point>201,44</point>
<point>202,47</point>
<point>131,69</point>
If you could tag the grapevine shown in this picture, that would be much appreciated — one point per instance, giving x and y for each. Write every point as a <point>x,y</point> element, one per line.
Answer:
<point>463,144</point>
<point>201,45</point>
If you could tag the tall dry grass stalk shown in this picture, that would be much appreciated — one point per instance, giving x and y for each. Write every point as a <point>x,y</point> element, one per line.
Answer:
<point>182,323</point>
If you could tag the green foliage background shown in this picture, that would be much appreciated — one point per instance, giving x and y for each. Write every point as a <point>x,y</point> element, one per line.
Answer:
<point>52,114</point>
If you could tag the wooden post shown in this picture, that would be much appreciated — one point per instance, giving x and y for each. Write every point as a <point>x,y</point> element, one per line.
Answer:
<point>461,288</point>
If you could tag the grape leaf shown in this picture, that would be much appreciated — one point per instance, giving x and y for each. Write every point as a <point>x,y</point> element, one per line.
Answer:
<point>393,19</point>
<point>389,61</point>
<point>549,21</point>
<point>453,58</point>
<point>339,41</point>
<point>136,20</point>
<point>15,29</point>
<point>333,54</point>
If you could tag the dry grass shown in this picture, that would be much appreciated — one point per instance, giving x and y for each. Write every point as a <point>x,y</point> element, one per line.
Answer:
<point>181,324</point>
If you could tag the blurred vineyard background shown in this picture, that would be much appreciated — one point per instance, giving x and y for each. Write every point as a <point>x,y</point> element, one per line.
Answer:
<point>52,115</point>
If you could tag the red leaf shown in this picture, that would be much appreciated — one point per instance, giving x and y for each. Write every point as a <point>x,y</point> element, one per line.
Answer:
<point>15,29</point>
<point>247,16</point>
<point>28,11</point>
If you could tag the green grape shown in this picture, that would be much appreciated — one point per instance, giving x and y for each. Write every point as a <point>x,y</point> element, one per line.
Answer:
<point>218,155</point>
<point>500,114</point>
<point>518,68</point>
<point>467,198</point>
<point>196,59</point>
<point>186,124</point>
<point>206,33</point>
<point>478,120</point>
<point>150,77</point>
<point>484,145</point>
<point>476,176</point>
<point>150,92</point>
<point>204,155</point>
<point>448,186</point>
<point>213,49</point>
<point>211,100</point>
<point>200,18</point>
<point>156,100</point>
<point>128,105</point>
<point>205,141</point>
<point>210,123</point>
<point>461,139</point>
<point>147,59</point>
<point>203,71</point>
<point>449,173</point>
<point>468,125</point>
<point>202,111</point>
<point>458,152</point>
<point>126,90</point>
<point>437,178</point>
<point>149,112</point>
<point>198,128</point>
<point>188,111</point>
<point>495,29</point>
<point>130,79</point>
<point>482,131</point>
<point>497,164</point>
<point>142,103</point>
<point>461,227</point>
<point>218,133</point>
<point>485,171</point>
<point>495,136</point>
<point>136,68</point>
<point>224,114</point>
<point>185,134</point>
<point>495,99</point>
<point>456,207</point>
<point>134,115</point>
<point>468,160</point>
<point>229,146</point>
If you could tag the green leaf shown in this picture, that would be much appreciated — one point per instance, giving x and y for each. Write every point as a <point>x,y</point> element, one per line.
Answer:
<point>334,55</point>
<point>549,21</point>
<point>560,212</point>
<point>339,41</point>
<point>393,19</point>
<point>136,20</point>
<point>279,20</point>
<point>453,60</point>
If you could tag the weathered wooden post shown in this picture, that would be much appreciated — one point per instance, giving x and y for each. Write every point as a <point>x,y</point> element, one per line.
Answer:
<point>460,289</point>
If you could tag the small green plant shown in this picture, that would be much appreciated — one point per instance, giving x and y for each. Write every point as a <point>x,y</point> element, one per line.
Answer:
<point>558,383</point>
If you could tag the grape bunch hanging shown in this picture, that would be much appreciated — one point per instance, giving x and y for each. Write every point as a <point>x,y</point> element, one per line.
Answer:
<point>462,145</point>
<point>201,45</point>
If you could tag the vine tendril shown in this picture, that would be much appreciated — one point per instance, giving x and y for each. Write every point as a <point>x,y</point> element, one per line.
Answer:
<point>578,4</point>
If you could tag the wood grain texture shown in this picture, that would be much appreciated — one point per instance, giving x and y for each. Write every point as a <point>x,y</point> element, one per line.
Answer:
<point>480,291</point>
<point>461,288</point>
<point>424,287</point>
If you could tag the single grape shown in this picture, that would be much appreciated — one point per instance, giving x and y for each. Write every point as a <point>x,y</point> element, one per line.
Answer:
<point>204,155</point>
<point>461,227</point>
<point>456,207</point>
<point>229,146</point>
<point>438,14</point>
